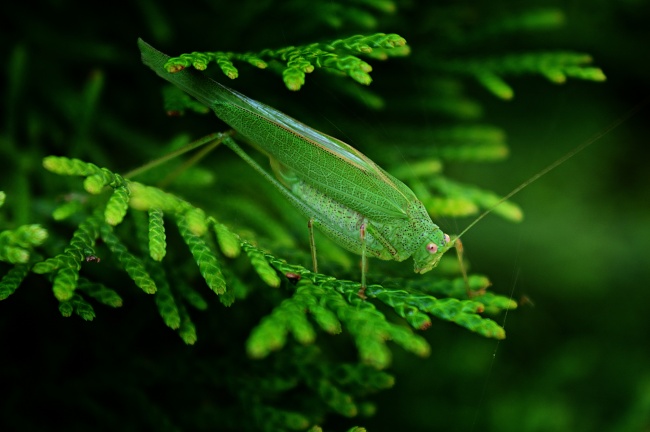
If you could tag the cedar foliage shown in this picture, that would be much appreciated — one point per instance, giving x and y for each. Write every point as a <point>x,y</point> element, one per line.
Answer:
<point>223,258</point>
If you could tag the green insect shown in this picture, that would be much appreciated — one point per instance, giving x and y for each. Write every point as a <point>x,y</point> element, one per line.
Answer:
<point>340,190</point>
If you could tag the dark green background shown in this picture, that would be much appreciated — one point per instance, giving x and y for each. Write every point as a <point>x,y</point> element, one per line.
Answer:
<point>576,358</point>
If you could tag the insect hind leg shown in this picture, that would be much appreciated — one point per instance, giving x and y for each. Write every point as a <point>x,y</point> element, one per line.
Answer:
<point>364,260</point>
<point>312,244</point>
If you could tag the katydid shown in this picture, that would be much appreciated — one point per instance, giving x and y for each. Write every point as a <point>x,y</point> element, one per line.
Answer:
<point>340,190</point>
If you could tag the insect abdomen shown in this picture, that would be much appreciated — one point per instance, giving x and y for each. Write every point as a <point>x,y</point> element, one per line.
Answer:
<point>340,223</point>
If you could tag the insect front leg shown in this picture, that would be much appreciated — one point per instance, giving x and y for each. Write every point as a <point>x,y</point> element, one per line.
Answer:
<point>458,245</point>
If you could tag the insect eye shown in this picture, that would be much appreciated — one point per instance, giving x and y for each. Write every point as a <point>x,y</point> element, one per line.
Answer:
<point>447,239</point>
<point>432,248</point>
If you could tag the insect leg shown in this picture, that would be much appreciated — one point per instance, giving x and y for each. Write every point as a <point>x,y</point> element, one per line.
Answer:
<point>364,260</point>
<point>301,206</point>
<point>214,139</point>
<point>312,244</point>
<point>374,232</point>
<point>458,245</point>
<point>459,254</point>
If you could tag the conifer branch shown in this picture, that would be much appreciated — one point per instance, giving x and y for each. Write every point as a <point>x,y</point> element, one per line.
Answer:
<point>66,265</point>
<point>340,55</point>
<point>100,292</point>
<point>332,303</point>
<point>131,264</point>
<point>10,281</point>
<point>205,258</point>
<point>451,198</point>
<point>157,237</point>
<point>555,66</point>
<point>16,245</point>
<point>527,20</point>
<point>79,306</point>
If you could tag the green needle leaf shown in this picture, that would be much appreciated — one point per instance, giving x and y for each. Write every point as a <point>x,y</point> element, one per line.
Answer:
<point>12,280</point>
<point>117,206</point>
<point>229,242</point>
<point>99,292</point>
<point>133,266</point>
<point>261,265</point>
<point>157,236</point>
<point>204,257</point>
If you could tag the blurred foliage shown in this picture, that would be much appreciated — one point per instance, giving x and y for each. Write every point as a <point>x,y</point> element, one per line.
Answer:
<point>74,87</point>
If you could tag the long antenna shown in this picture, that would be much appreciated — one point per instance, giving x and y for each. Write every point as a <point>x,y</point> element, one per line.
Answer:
<point>560,161</point>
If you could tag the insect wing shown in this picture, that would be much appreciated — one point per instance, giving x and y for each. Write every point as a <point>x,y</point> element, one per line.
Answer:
<point>333,167</point>
<point>328,164</point>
